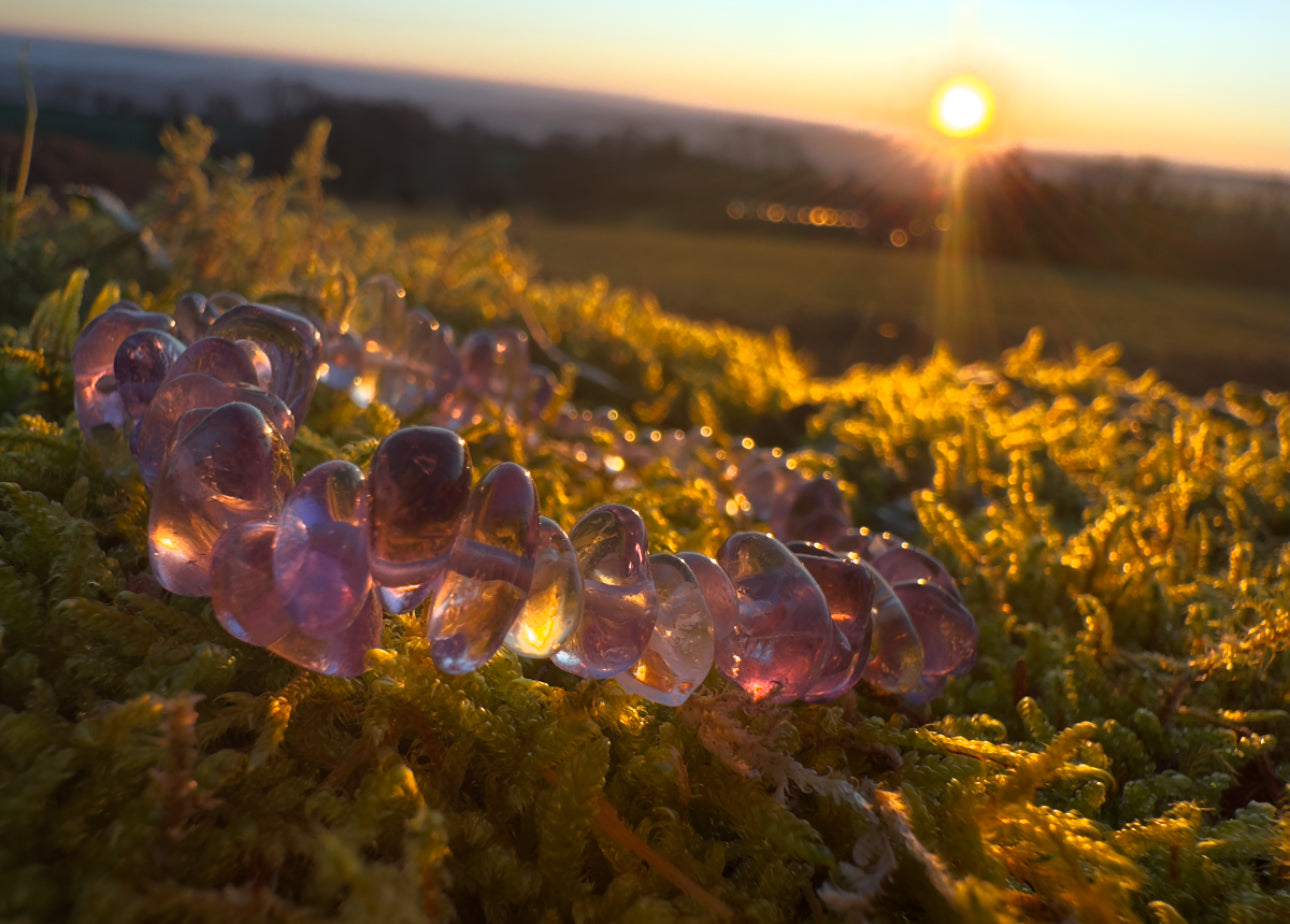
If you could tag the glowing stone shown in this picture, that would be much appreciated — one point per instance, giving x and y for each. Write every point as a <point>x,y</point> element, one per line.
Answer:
<point>945,627</point>
<point>896,660</point>
<point>620,603</point>
<point>554,605</point>
<point>905,562</point>
<point>232,467</point>
<point>291,343</point>
<point>320,553</point>
<point>782,638</point>
<point>488,573</point>
<point>140,365</point>
<point>219,358</point>
<point>813,511</point>
<point>680,650</point>
<point>420,484</point>
<point>341,655</point>
<point>718,592</point>
<point>242,588</point>
<point>848,589</point>
<point>93,359</point>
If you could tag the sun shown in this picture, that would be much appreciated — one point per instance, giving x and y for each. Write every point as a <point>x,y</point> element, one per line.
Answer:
<point>962,107</point>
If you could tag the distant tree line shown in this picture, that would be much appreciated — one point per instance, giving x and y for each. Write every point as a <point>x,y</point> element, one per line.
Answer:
<point>1109,215</point>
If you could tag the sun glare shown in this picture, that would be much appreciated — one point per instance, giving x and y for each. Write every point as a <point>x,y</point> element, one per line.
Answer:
<point>962,107</point>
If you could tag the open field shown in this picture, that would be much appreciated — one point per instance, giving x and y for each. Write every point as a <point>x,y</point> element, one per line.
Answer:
<point>845,303</point>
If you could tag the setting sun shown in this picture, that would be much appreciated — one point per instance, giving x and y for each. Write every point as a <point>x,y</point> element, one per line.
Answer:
<point>962,107</point>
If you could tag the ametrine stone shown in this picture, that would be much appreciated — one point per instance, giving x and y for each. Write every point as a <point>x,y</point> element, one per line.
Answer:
<point>782,639</point>
<point>193,316</point>
<point>320,553</point>
<point>341,655</point>
<point>488,573</point>
<point>946,629</point>
<point>180,394</point>
<point>908,563</point>
<point>242,588</point>
<point>814,511</point>
<point>554,605</point>
<point>620,603</point>
<point>93,357</point>
<point>718,592</point>
<point>896,659</point>
<point>680,650</point>
<point>219,358</point>
<point>291,342</point>
<point>420,484</point>
<point>232,467</point>
<point>141,363</point>
<point>848,589</point>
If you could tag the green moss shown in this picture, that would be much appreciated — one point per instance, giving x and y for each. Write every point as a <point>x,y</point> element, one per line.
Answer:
<point>1115,754</point>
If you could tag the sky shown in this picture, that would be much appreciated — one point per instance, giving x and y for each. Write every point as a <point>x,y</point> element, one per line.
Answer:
<point>1195,82</point>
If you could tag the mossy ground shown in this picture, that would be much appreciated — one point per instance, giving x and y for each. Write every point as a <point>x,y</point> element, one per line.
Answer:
<point>1115,754</point>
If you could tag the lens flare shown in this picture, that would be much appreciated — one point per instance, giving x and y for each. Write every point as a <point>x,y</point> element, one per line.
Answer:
<point>962,107</point>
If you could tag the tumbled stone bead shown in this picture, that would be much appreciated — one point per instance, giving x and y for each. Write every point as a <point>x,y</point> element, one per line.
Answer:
<point>179,394</point>
<point>896,655</point>
<point>781,640</point>
<point>223,300</point>
<point>814,511</point>
<point>380,305</point>
<point>908,563</point>
<point>488,573</point>
<point>947,630</point>
<point>141,363</point>
<point>864,542</point>
<point>718,592</point>
<point>243,592</point>
<point>680,650</point>
<point>554,605</point>
<point>620,603</point>
<point>193,316</point>
<point>96,397</point>
<point>342,360</point>
<point>320,553</point>
<point>848,589</point>
<point>291,342</point>
<point>762,479</point>
<point>423,369</point>
<point>496,363</point>
<point>219,358</point>
<point>420,483</point>
<point>341,655</point>
<point>232,467</point>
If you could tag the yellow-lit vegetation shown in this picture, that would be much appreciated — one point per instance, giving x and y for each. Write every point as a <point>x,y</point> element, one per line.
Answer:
<point>1116,753</point>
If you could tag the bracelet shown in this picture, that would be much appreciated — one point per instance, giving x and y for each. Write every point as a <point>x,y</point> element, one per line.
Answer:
<point>214,395</point>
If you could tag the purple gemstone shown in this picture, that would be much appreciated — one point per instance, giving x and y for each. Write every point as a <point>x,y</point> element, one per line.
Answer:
<point>784,634</point>
<point>425,368</point>
<point>680,650</point>
<point>141,363</point>
<point>620,603</point>
<point>179,394</point>
<point>718,592</point>
<point>763,479</point>
<point>232,467</point>
<point>907,563</point>
<point>814,511</point>
<point>489,571</point>
<point>341,655</point>
<point>242,589</point>
<point>945,627</point>
<point>420,484</point>
<point>344,362</point>
<point>864,542</point>
<point>896,657</point>
<point>219,358</point>
<point>93,359</point>
<point>193,316</point>
<point>320,553</point>
<point>554,605</point>
<point>291,342</point>
<point>848,589</point>
<point>222,301</point>
<point>380,306</point>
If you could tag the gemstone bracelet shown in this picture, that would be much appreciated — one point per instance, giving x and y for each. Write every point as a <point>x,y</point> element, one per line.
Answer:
<point>307,569</point>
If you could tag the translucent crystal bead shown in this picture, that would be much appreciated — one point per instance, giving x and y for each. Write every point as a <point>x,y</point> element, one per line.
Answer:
<point>947,630</point>
<point>680,650</point>
<point>864,542</point>
<point>488,573</point>
<point>896,657</point>
<point>180,394</point>
<point>232,467</point>
<point>762,479</point>
<point>320,553</point>
<point>848,589</point>
<point>93,357</point>
<point>141,363</point>
<point>219,358</point>
<point>554,605</point>
<point>425,368</point>
<point>620,603</point>
<point>193,317</point>
<point>420,483</point>
<point>242,589</point>
<point>814,511</point>
<point>343,360</point>
<point>718,592</point>
<point>341,655</point>
<point>291,342</point>
<point>784,633</point>
<point>905,563</point>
